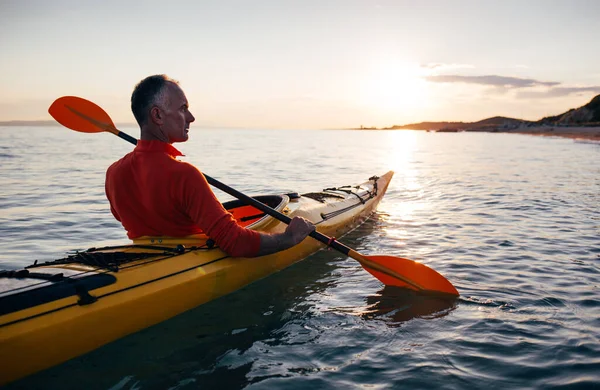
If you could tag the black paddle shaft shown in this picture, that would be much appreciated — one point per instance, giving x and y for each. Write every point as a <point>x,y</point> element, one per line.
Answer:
<point>127,137</point>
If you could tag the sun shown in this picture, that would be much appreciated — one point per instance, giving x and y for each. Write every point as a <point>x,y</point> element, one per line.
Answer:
<point>396,86</point>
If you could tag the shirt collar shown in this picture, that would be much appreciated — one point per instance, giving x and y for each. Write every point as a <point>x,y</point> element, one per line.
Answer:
<point>157,146</point>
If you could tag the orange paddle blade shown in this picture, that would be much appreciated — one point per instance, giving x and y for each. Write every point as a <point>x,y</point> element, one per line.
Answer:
<point>81,115</point>
<point>421,277</point>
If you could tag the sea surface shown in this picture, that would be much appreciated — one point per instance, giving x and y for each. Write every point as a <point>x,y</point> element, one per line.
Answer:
<point>513,221</point>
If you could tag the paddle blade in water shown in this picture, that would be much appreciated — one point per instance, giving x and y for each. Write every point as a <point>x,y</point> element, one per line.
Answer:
<point>418,274</point>
<point>80,115</point>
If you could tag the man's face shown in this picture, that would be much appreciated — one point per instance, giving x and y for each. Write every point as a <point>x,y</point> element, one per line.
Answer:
<point>176,116</point>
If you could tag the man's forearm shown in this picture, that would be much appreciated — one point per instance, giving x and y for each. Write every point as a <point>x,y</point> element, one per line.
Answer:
<point>271,243</point>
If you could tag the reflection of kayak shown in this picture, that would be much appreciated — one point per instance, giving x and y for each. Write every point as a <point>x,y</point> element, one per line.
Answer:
<point>54,311</point>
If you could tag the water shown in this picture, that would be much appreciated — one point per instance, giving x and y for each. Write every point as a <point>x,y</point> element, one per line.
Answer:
<point>512,220</point>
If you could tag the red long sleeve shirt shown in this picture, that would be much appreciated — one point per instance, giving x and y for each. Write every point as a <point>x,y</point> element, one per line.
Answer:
<point>153,194</point>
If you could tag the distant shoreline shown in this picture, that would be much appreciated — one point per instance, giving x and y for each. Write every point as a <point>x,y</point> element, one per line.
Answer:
<point>576,123</point>
<point>45,123</point>
<point>29,123</point>
<point>574,132</point>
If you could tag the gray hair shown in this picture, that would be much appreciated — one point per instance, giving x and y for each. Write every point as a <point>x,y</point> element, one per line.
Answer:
<point>148,92</point>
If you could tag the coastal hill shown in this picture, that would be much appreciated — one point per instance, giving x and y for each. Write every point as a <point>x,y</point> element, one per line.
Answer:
<point>587,115</point>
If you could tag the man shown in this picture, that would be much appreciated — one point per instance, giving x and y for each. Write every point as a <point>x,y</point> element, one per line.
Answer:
<point>153,194</point>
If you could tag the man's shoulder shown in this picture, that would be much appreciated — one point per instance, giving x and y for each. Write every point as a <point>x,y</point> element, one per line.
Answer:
<point>114,166</point>
<point>184,168</point>
<point>163,165</point>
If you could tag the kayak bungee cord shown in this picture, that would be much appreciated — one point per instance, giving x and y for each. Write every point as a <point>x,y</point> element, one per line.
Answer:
<point>94,258</point>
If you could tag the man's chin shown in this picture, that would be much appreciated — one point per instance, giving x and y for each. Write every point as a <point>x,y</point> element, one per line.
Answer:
<point>182,139</point>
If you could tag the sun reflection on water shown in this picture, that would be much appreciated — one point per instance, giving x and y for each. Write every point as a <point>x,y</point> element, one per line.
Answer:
<point>402,159</point>
<point>406,195</point>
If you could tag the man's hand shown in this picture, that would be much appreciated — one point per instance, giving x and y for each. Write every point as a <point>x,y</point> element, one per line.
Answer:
<point>298,229</point>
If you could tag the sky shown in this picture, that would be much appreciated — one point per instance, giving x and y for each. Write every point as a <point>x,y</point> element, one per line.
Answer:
<point>306,63</point>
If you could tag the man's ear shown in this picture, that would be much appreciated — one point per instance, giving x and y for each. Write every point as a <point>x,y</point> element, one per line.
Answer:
<point>156,115</point>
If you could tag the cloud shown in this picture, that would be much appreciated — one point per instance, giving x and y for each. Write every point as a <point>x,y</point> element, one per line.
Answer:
<point>441,66</point>
<point>534,88</point>
<point>491,80</point>
<point>557,92</point>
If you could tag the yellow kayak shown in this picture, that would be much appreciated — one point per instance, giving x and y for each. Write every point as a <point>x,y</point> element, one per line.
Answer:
<point>47,310</point>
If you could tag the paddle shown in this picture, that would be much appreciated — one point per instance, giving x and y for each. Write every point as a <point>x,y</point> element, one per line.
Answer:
<point>84,116</point>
